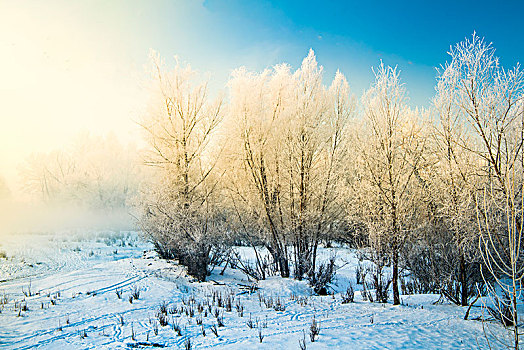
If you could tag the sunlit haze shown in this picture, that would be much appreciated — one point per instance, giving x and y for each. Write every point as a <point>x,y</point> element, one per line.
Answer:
<point>73,66</point>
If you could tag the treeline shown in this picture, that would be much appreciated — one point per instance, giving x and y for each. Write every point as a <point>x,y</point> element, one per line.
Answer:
<point>286,162</point>
<point>96,172</point>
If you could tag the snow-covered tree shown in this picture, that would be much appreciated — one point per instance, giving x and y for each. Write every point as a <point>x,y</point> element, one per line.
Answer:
<point>98,172</point>
<point>454,181</point>
<point>390,149</point>
<point>491,99</point>
<point>181,215</point>
<point>289,134</point>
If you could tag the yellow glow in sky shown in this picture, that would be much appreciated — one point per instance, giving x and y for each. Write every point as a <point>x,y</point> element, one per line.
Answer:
<point>60,74</point>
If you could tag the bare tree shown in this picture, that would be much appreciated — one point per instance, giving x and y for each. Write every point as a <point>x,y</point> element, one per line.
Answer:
<point>455,181</point>
<point>181,207</point>
<point>48,175</point>
<point>390,153</point>
<point>290,141</point>
<point>490,98</point>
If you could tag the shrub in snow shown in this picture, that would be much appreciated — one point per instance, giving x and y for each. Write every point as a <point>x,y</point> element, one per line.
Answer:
<point>162,319</point>
<point>314,330</point>
<point>176,327</point>
<point>439,264</point>
<point>187,344</point>
<point>302,342</point>
<point>220,320</point>
<point>214,329</point>
<point>349,295</point>
<point>321,278</point>
<point>260,335</point>
<point>135,292</point>
<point>250,322</point>
<point>240,308</point>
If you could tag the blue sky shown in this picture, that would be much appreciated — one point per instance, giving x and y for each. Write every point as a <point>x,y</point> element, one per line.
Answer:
<point>71,66</point>
<point>354,35</point>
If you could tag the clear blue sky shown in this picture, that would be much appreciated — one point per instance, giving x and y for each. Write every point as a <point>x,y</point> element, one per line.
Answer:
<point>354,35</point>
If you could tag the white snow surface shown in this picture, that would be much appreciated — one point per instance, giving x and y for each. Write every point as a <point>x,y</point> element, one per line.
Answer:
<point>73,277</point>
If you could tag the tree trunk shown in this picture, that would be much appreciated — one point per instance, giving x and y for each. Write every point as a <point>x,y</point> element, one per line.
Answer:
<point>463,282</point>
<point>279,259</point>
<point>284,267</point>
<point>396,295</point>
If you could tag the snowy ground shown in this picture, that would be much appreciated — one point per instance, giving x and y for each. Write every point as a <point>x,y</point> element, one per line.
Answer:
<point>73,304</point>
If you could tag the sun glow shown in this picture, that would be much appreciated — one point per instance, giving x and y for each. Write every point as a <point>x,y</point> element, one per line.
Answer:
<point>59,76</point>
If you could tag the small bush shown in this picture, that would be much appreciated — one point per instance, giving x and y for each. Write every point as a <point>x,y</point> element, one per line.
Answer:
<point>83,334</point>
<point>302,342</point>
<point>187,344</point>
<point>229,303</point>
<point>260,335</point>
<point>176,328</point>
<point>279,305</point>
<point>214,329</point>
<point>28,292</point>
<point>4,299</point>
<point>163,307</point>
<point>162,319</point>
<point>314,329</point>
<point>240,308</point>
<point>250,322</point>
<point>321,278</point>
<point>220,320</point>
<point>136,292</point>
<point>349,296</point>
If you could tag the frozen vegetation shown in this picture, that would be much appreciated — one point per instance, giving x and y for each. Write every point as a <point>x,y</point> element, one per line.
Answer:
<point>285,213</point>
<point>108,290</point>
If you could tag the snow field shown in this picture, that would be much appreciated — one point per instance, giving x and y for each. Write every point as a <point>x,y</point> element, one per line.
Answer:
<point>74,305</point>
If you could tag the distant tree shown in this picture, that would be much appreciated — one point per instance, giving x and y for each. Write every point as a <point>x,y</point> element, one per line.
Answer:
<point>5,192</point>
<point>47,175</point>
<point>95,171</point>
